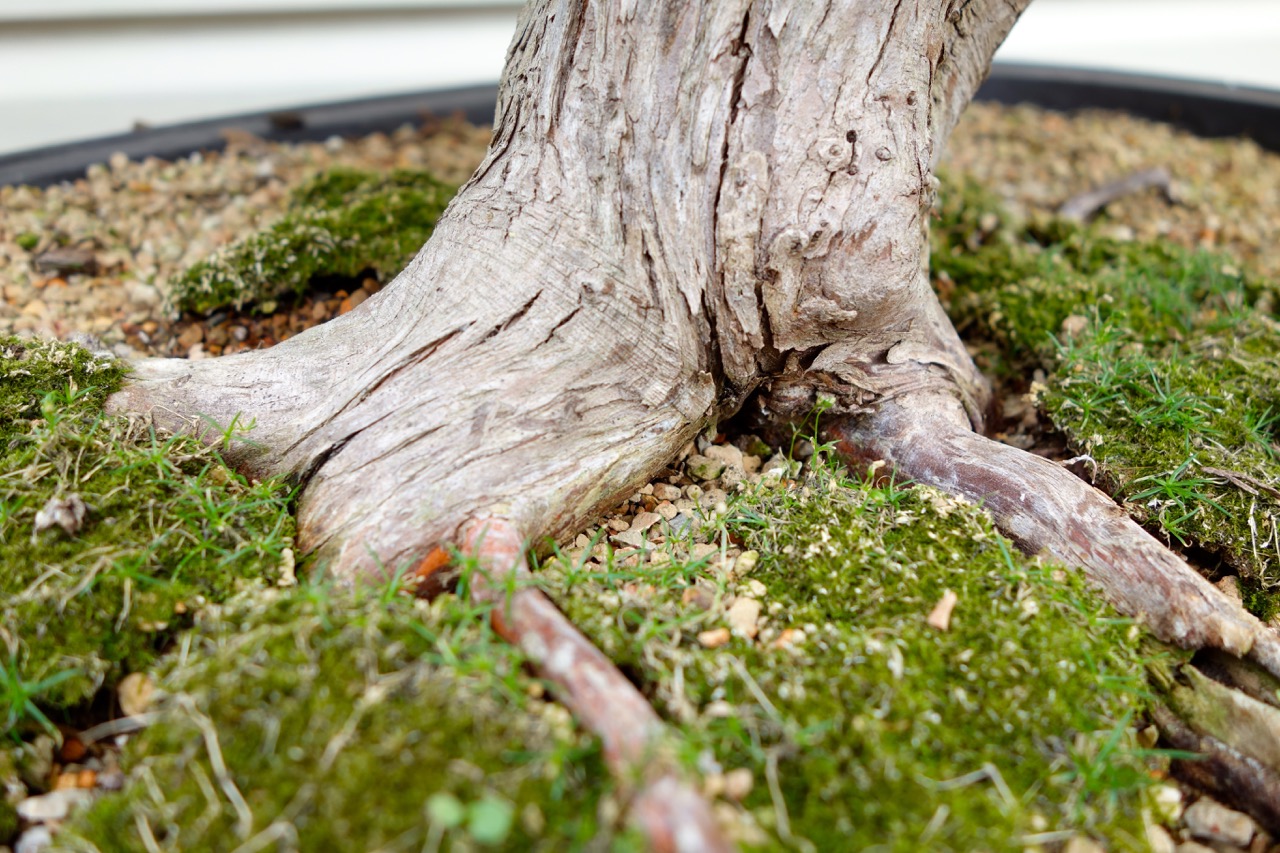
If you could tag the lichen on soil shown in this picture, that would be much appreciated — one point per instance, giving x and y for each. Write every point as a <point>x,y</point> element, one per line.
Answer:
<point>784,620</point>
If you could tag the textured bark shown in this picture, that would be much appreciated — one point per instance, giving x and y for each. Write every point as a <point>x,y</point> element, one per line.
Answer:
<point>683,202</point>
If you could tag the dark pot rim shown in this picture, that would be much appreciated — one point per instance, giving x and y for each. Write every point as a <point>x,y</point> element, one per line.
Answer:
<point>1206,109</point>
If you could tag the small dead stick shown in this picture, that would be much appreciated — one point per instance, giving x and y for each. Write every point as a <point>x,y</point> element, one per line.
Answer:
<point>671,814</point>
<point>1086,204</point>
<point>1044,507</point>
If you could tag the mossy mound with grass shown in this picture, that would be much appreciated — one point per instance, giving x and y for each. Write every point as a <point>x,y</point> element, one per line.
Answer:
<point>1163,366</point>
<point>111,536</point>
<point>341,224</point>
<point>308,721</point>
<point>861,725</point>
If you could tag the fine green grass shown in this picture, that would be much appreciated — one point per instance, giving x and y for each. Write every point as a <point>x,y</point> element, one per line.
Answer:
<point>1163,365</point>
<point>861,726</point>
<point>163,527</point>
<point>342,224</point>
<point>321,720</point>
<point>332,720</point>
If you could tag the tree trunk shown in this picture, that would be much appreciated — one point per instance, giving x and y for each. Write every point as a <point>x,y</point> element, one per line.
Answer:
<point>682,202</point>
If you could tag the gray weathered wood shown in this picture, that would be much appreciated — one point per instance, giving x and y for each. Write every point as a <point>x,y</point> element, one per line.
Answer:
<point>682,202</point>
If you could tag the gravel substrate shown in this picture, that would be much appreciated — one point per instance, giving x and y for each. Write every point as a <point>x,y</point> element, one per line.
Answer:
<point>98,255</point>
<point>1225,192</point>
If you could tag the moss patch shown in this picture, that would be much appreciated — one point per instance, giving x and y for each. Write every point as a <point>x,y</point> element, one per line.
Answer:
<point>382,724</point>
<point>860,725</point>
<point>341,224</point>
<point>111,536</point>
<point>1163,365</point>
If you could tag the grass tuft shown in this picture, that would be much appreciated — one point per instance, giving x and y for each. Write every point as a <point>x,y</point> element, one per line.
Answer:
<point>112,536</point>
<point>1162,364</point>
<point>859,724</point>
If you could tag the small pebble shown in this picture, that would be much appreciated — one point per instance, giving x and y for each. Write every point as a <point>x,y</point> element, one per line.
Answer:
<point>666,492</point>
<point>1209,820</point>
<point>72,749</point>
<point>744,617</point>
<point>704,468</point>
<point>1082,844</point>
<point>714,638</point>
<point>1168,803</point>
<point>34,840</point>
<point>1159,839</point>
<point>1230,587</point>
<point>135,692</point>
<point>645,520</point>
<point>697,596</point>
<point>746,562</point>
<point>940,616</point>
<point>55,805</point>
<point>789,638</point>
<point>738,783</point>
<point>111,780</point>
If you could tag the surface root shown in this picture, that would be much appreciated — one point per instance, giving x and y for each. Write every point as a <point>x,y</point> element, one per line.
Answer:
<point>664,807</point>
<point>1047,509</point>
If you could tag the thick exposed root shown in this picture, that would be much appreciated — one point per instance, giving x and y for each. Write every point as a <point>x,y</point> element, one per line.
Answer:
<point>670,813</point>
<point>1045,508</point>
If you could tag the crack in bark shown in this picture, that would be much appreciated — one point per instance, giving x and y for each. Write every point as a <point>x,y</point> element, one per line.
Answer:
<point>564,321</point>
<point>514,318</point>
<point>320,459</point>
<point>884,43</point>
<point>741,48</point>
<point>573,30</point>
<point>416,356</point>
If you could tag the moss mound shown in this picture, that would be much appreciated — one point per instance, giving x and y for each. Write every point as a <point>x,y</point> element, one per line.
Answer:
<point>111,536</point>
<point>860,725</point>
<point>342,224</point>
<point>308,720</point>
<point>1163,365</point>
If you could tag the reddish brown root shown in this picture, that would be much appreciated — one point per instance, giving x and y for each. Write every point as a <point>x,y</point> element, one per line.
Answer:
<point>1045,508</point>
<point>671,814</point>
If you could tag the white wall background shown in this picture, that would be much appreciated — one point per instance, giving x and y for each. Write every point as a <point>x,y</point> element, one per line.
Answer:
<point>71,69</point>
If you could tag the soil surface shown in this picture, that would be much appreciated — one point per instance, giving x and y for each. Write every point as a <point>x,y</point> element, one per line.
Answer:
<point>97,256</point>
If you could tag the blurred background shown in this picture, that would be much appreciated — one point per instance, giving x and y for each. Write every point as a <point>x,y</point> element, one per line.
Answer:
<point>71,69</point>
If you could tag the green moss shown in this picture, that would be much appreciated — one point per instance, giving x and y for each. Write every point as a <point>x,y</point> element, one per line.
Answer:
<point>341,224</point>
<point>875,730</point>
<point>1163,365</point>
<point>8,820</point>
<point>27,241</point>
<point>382,723</point>
<point>151,528</point>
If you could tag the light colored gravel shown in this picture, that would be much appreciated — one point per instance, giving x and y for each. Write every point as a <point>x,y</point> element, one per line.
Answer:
<point>143,223</point>
<point>1227,191</point>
